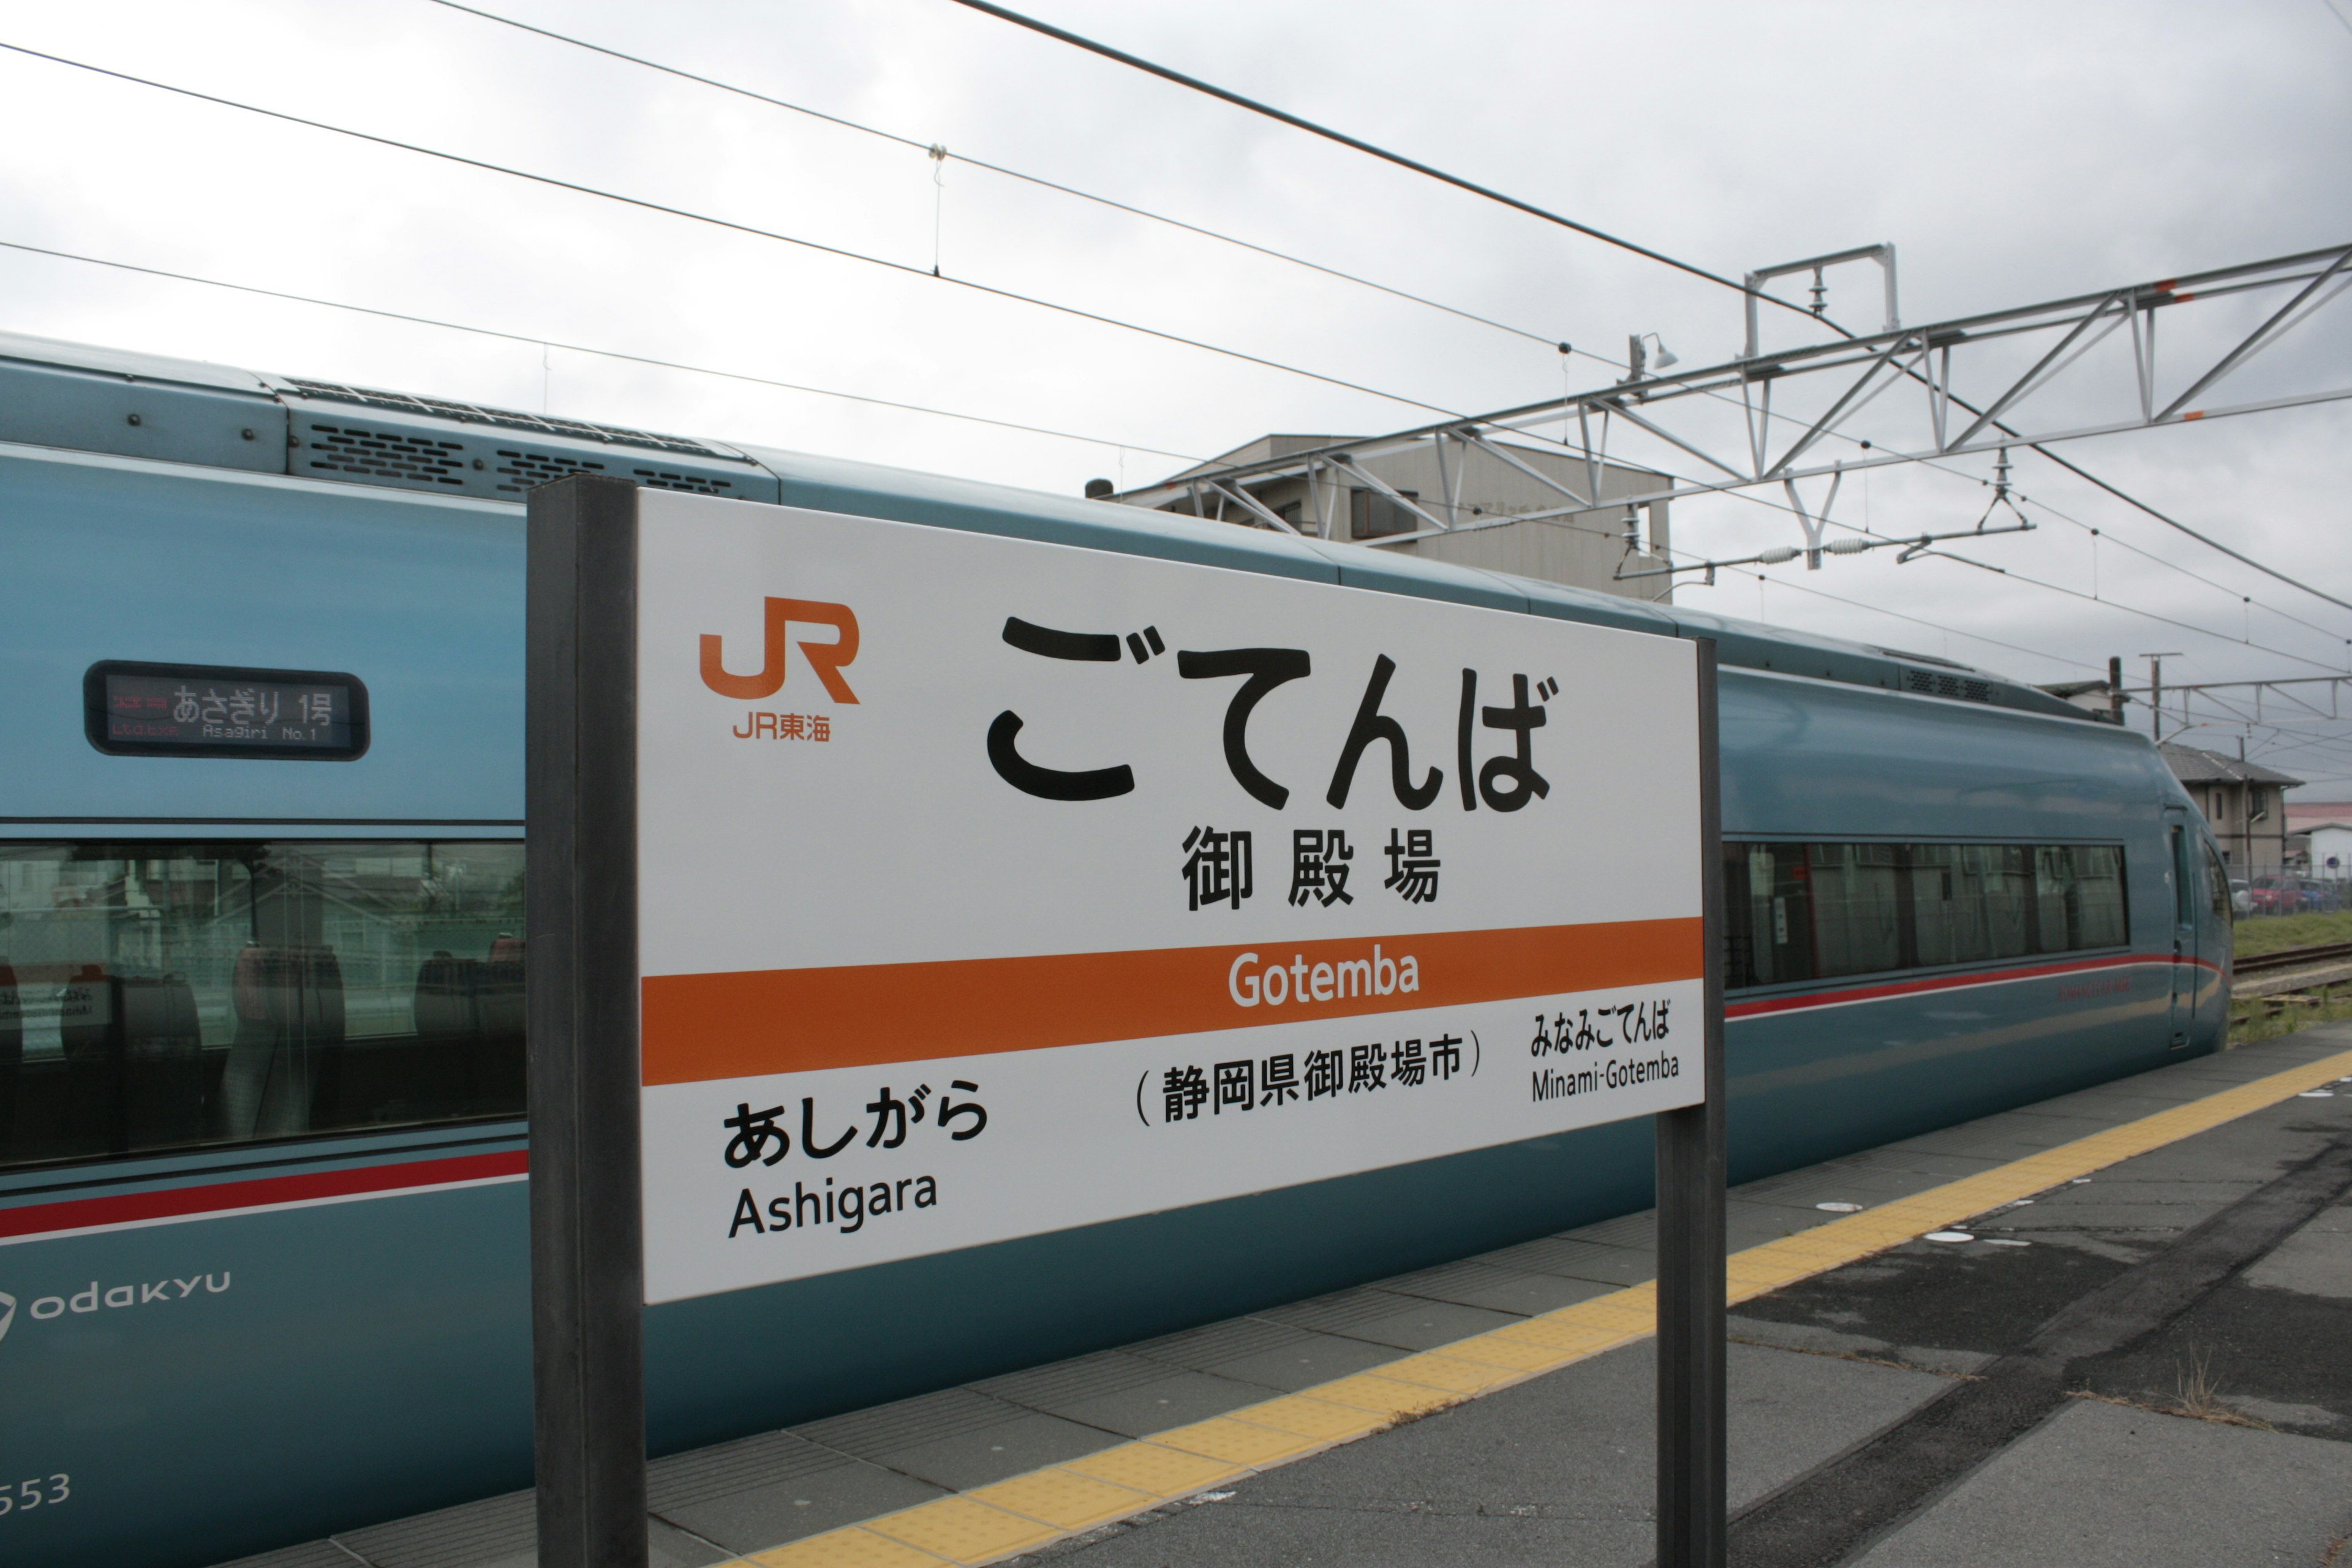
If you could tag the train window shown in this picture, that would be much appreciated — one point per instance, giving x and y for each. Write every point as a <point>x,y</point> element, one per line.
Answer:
<point>2217,888</point>
<point>1856,893</point>
<point>1818,911</point>
<point>1768,926</point>
<point>168,995</point>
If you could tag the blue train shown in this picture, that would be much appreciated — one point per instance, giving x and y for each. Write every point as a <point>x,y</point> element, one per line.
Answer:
<point>263,1252</point>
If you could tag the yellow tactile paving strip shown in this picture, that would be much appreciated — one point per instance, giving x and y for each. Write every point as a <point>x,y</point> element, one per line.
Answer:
<point>993,1523</point>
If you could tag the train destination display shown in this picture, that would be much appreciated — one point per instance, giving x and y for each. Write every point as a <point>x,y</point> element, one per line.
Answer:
<point>165,709</point>
<point>988,888</point>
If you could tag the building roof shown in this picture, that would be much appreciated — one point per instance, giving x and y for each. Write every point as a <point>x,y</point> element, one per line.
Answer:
<point>2192,764</point>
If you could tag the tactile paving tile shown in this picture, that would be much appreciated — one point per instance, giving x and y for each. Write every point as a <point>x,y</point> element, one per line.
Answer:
<point>685,1480</point>
<point>1449,1372</point>
<point>855,1547</point>
<point>1237,1442</point>
<point>1065,1499</point>
<point>962,1531</point>
<point>1311,1417</point>
<point>1383,1396</point>
<point>1154,1467</point>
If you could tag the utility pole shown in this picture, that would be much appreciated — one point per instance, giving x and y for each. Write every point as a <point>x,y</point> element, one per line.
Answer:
<point>2156,690</point>
<point>2115,688</point>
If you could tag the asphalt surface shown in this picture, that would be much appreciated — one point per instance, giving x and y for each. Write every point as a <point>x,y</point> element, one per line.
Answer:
<point>2160,1374</point>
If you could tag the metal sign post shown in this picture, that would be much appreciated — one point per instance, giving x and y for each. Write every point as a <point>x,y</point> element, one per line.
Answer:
<point>1691,1245</point>
<point>587,1252</point>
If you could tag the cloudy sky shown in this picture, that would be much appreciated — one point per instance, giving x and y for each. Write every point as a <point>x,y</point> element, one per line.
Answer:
<point>2012,153</point>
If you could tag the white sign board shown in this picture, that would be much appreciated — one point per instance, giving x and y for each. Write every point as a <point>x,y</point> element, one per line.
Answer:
<point>989,887</point>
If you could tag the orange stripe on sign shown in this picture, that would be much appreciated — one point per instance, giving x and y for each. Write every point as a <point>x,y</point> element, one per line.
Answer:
<point>697,1028</point>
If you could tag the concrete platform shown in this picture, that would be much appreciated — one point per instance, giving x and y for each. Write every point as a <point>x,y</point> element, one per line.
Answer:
<point>1922,1404</point>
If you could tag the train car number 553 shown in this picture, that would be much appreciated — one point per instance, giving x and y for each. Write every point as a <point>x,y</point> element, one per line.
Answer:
<point>26,1496</point>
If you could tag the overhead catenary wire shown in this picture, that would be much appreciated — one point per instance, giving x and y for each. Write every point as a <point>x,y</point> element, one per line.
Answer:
<point>731,225</point>
<point>939,149</point>
<point>538,341</point>
<point>1415,165</point>
<point>938,154</point>
<point>647,205</point>
<point>2037,582</point>
<point>1343,138</point>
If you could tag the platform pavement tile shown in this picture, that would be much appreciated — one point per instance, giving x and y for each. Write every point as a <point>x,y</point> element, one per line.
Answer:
<point>962,1531</point>
<point>1306,1361</point>
<point>1448,1373</point>
<point>850,1547</point>
<point>1312,1418</point>
<point>796,1508</point>
<point>1155,1468</point>
<point>969,1459</point>
<point>1384,1397</point>
<point>1238,1442</point>
<point>1522,1293</point>
<point>1065,1499</point>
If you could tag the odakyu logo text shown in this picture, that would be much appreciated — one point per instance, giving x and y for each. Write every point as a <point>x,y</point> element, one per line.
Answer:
<point>97,1297</point>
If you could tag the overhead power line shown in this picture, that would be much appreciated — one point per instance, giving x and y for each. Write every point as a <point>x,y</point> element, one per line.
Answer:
<point>914,145</point>
<point>619,355</point>
<point>751,230</point>
<point>646,205</point>
<point>2169,521</point>
<point>1311,128</point>
<point>1358,144</point>
<point>932,148</point>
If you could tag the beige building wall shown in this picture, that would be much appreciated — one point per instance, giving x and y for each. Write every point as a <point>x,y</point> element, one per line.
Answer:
<point>1476,493</point>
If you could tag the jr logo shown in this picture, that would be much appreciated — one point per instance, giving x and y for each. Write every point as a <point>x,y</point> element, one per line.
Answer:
<point>826,657</point>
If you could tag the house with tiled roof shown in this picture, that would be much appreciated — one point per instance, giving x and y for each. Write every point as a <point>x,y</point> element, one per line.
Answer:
<point>2245,802</point>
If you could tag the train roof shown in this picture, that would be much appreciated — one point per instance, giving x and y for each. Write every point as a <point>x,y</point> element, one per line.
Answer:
<point>84,398</point>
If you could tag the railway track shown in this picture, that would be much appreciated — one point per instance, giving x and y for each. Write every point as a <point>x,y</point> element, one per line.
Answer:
<point>2293,958</point>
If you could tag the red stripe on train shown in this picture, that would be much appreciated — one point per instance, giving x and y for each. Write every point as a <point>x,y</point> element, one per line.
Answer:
<point>1951,983</point>
<point>221,1197</point>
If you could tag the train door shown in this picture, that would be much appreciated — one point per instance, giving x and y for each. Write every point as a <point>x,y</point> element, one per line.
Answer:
<point>2182,845</point>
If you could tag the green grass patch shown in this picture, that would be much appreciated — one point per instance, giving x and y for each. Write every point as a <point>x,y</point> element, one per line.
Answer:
<point>2255,1019</point>
<point>2274,933</point>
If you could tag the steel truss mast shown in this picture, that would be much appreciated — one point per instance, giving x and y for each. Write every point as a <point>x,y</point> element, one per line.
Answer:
<point>2010,360</point>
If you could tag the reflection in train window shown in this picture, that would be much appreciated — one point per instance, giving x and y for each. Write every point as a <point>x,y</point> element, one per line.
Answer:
<point>1818,911</point>
<point>162,995</point>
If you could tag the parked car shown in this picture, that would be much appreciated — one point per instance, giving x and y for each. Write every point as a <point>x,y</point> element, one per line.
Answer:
<point>2277,896</point>
<point>2241,896</point>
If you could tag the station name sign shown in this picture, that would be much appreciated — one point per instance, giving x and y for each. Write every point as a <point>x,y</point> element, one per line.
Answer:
<point>988,888</point>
